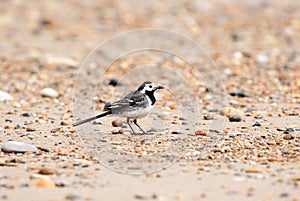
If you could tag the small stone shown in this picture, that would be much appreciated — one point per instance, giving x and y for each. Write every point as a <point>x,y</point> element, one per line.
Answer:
<point>73,197</point>
<point>288,137</point>
<point>284,195</point>
<point>117,123</point>
<point>58,60</point>
<point>262,59</point>
<point>229,111</point>
<point>239,94</point>
<point>18,126</point>
<point>47,171</point>
<point>253,170</point>
<point>63,123</point>
<point>63,152</point>
<point>116,142</point>
<point>15,160</point>
<point>235,118</point>
<point>4,96</point>
<point>49,92</point>
<point>18,147</point>
<point>176,132</point>
<point>26,114</point>
<point>238,56</point>
<point>256,124</point>
<point>120,131</point>
<point>8,120</point>
<point>114,82</point>
<point>201,133</point>
<point>45,182</point>
<point>29,129</point>
<point>288,130</point>
<point>172,106</point>
<point>296,178</point>
<point>208,117</point>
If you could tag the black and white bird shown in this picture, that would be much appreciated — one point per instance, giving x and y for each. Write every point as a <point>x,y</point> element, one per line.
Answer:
<point>135,105</point>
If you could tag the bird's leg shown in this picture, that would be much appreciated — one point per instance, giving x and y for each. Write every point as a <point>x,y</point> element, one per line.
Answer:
<point>135,122</point>
<point>128,122</point>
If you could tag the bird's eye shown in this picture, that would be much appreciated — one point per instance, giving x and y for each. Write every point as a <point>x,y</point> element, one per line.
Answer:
<point>150,86</point>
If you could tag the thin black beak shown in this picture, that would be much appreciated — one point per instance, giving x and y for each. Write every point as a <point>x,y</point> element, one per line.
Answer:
<point>159,87</point>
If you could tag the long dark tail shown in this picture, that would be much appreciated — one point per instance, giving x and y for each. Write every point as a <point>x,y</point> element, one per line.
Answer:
<point>91,119</point>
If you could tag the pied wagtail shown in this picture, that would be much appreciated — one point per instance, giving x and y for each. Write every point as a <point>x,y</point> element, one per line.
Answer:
<point>135,105</point>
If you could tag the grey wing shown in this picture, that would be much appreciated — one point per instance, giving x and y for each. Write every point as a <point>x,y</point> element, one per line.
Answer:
<point>130,102</point>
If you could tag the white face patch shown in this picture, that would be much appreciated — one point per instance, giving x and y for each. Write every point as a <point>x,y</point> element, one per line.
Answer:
<point>148,87</point>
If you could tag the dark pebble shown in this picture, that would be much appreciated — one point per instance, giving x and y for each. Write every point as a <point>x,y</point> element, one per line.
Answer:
<point>17,126</point>
<point>286,154</point>
<point>176,132</point>
<point>247,54</point>
<point>15,160</point>
<point>239,94</point>
<point>73,197</point>
<point>45,22</point>
<point>235,118</point>
<point>284,195</point>
<point>256,124</point>
<point>26,114</point>
<point>114,82</point>
<point>288,130</point>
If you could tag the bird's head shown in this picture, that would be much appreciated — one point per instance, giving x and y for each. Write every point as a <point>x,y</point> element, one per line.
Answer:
<point>149,87</point>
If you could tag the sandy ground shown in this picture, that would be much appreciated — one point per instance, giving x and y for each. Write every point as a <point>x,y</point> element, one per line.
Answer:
<point>247,71</point>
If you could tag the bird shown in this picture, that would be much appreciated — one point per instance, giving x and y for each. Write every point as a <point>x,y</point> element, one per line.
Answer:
<point>135,105</point>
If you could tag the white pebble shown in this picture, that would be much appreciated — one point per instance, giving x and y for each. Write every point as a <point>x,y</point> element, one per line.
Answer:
<point>238,56</point>
<point>57,60</point>
<point>4,96</point>
<point>262,59</point>
<point>18,147</point>
<point>49,92</point>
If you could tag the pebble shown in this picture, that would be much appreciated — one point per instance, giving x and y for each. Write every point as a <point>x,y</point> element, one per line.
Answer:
<point>30,129</point>
<point>63,152</point>
<point>117,123</point>
<point>288,137</point>
<point>45,182</point>
<point>253,170</point>
<point>47,171</point>
<point>239,94</point>
<point>201,133</point>
<point>58,60</point>
<point>288,130</point>
<point>4,96</point>
<point>176,132</point>
<point>73,197</point>
<point>256,124</point>
<point>26,114</point>
<point>63,123</point>
<point>235,118</point>
<point>229,111</point>
<point>262,59</point>
<point>114,82</point>
<point>49,92</point>
<point>284,195</point>
<point>18,147</point>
